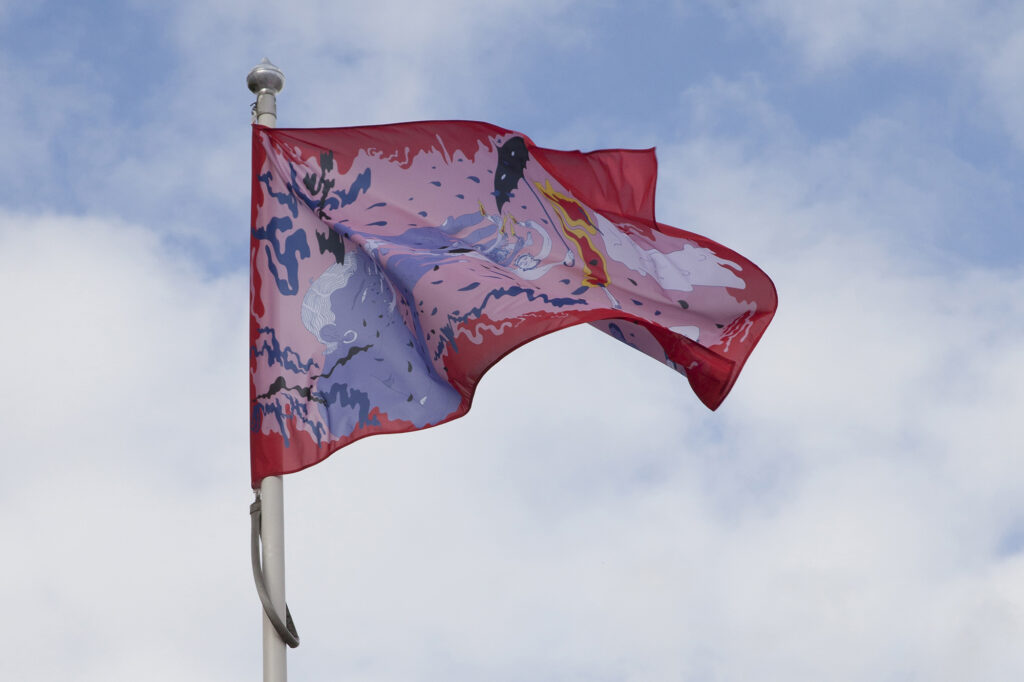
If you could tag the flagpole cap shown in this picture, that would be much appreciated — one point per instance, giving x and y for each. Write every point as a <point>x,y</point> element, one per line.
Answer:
<point>265,78</point>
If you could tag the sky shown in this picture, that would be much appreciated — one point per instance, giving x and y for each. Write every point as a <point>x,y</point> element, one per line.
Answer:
<point>854,511</point>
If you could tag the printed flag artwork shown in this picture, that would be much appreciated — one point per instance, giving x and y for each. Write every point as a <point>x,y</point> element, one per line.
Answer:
<point>393,265</point>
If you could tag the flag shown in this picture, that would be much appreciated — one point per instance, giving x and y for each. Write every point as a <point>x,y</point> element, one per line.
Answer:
<point>392,265</point>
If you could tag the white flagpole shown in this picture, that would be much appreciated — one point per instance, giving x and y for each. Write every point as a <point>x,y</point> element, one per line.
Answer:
<point>266,80</point>
<point>275,660</point>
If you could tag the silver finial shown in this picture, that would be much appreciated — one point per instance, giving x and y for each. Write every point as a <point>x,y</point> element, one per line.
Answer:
<point>265,78</point>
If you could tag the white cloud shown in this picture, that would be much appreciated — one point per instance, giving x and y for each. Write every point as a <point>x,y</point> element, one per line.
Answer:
<point>387,61</point>
<point>1000,74</point>
<point>852,512</point>
<point>118,447</point>
<point>115,334</point>
<point>832,32</point>
<point>979,44</point>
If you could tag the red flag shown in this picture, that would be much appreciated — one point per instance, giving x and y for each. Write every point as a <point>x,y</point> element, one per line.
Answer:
<point>393,265</point>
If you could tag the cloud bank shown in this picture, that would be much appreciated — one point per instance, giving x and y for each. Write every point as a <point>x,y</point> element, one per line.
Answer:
<point>852,512</point>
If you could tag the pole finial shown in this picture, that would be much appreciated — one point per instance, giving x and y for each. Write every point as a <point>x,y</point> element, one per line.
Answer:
<point>265,77</point>
<point>265,80</point>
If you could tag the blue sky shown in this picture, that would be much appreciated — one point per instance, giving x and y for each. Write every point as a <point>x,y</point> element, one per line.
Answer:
<point>852,512</point>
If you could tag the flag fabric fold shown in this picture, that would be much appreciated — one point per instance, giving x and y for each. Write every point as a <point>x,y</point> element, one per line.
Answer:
<point>392,265</point>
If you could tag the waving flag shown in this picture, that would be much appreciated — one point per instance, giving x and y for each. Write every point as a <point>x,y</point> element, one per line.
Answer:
<point>393,265</point>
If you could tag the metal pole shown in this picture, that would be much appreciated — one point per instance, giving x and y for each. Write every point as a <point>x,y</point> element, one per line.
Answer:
<point>275,660</point>
<point>266,80</point>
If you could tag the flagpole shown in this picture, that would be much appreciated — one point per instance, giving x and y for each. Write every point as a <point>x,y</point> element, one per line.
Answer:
<point>275,658</point>
<point>265,80</point>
